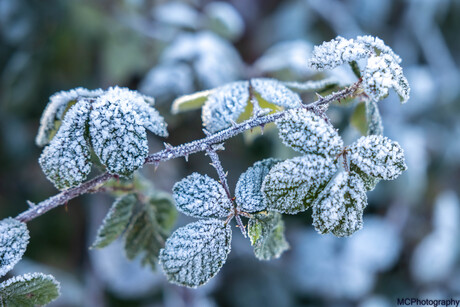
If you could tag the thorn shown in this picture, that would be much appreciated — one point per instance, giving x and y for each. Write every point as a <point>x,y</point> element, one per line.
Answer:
<point>218,147</point>
<point>186,158</point>
<point>206,132</point>
<point>167,145</point>
<point>31,204</point>
<point>262,129</point>
<point>233,123</point>
<point>226,174</point>
<point>155,165</point>
<point>319,96</point>
<point>65,206</point>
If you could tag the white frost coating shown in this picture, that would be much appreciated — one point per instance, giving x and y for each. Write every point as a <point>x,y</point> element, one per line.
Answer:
<point>338,51</point>
<point>355,200</point>
<point>66,161</point>
<point>55,111</point>
<point>377,156</point>
<point>308,133</point>
<point>14,238</point>
<point>201,196</point>
<point>329,208</point>
<point>377,43</point>
<point>118,138</point>
<point>275,92</point>
<point>383,73</point>
<point>225,105</point>
<point>177,14</point>
<point>289,55</point>
<point>291,186</point>
<point>30,289</point>
<point>196,252</point>
<point>248,188</point>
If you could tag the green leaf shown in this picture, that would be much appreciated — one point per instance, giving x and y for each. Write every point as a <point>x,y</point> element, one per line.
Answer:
<point>66,161</point>
<point>116,221</point>
<point>149,228</point>
<point>196,252</point>
<point>308,133</point>
<point>190,102</point>
<point>29,290</point>
<point>14,238</point>
<point>248,188</point>
<point>377,156</point>
<point>358,118</point>
<point>266,232</point>
<point>291,186</point>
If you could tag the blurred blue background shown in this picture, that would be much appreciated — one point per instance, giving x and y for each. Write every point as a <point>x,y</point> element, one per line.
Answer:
<point>409,246</point>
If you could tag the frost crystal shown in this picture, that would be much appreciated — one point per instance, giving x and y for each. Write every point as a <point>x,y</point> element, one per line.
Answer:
<point>377,156</point>
<point>56,110</point>
<point>383,73</point>
<point>378,44</point>
<point>338,51</point>
<point>291,186</point>
<point>201,196</point>
<point>225,105</point>
<point>275,92</point>
<point>196,252</point>
<point>355,200</point>
<point>29,290</point>
<point>66,161</point>
<point>116,221</point>
<point>266,232</point>
<point>308,133</point>
<point>14,238</point>
<point>248,188</point>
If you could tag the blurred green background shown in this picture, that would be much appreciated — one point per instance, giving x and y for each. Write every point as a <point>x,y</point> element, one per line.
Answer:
<point>409,246</point>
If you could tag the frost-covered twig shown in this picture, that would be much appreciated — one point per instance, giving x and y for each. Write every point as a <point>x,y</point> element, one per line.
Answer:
<point>182,150</point>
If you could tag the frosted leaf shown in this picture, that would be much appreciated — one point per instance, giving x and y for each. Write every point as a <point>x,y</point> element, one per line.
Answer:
<point>201,196</point>
<point>29,290</point>
<point>190,102</point>
<point>308,133</point>
<point>266,232</point>
<point>248,188</point>
<point>373,118</point>
<point>66,160</point>
<point>355,200</point>
<point>165,82</point>
<point>214,60</point>
<point>291,186</point>
<point>370,182</point>
<point>377,156</point>
<point>116,221</point>
<point>149,228</point>
<point>338,51</point>
<point>14,238</point>
<point>142,105</point>
<point>177,14</point>
<point>196,252</point>
<point>289,55</point>
<point>56,109</point>
<point>224,19</point>
<point>118,137</point>
<point>383,73</point>
<point>378,44</point>
<point>275,92</point>
<point>224,106</point>
<point>329,208</point>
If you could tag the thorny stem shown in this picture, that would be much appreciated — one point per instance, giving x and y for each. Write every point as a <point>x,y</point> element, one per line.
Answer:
<point>182,150</point>
<point>223,180</point>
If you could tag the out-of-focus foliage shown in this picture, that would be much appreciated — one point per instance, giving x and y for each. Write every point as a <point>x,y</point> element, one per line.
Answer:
<point>59,45</point>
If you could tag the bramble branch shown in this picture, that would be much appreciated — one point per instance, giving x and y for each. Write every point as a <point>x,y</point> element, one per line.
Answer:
<point>183,150</point>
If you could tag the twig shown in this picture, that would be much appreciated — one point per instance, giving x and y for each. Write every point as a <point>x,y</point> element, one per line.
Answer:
<point>182,150</point>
